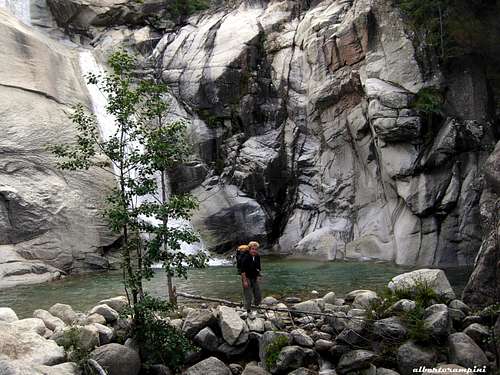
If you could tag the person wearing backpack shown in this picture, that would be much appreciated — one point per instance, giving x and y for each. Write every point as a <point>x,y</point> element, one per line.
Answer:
<point>241,252</point>
<point>250,275</point>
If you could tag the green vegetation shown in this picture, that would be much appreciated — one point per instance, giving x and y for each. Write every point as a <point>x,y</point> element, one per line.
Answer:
<point>76,352</point>
<point>274,349</point>
<point>159,341</point>
<point>414,321</point>
<point>452,27</point>
<point>142,150</point>
<point>184,8</point>
<point>429,101</point>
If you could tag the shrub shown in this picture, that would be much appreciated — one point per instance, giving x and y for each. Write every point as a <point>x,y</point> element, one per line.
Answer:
<point>429,100</point>
<point>414,321</point>
<point>159,341</point>
<point>274,349</point>
<point>76,353</point>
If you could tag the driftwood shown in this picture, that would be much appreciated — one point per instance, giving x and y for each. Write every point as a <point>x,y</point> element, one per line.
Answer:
<point>277,309</point>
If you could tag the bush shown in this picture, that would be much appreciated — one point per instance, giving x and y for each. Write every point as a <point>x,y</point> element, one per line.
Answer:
<point>429,100</point>
<point>414,321</point>
<point>274,349</point>
<point>76,353</point>
<point>159,342</point>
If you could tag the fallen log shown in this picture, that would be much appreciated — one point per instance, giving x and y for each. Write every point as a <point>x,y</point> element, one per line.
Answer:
<point>267,308</point>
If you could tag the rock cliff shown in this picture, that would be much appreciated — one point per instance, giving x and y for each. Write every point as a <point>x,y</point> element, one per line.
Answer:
<point>50,221</point>
<point>305,132</point>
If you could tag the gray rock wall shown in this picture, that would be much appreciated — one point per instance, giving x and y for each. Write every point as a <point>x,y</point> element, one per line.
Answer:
<point>50,221</point>
<point>313,108</point>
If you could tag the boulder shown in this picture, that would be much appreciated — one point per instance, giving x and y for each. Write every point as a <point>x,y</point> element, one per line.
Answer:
<point>267,339</point>
<point>310,306</point>
<point>236,369</point>
<point>117,359</point>
<point>465,352</point>
<point>105,333</point>
<point>459,305</point>
<point>196,320</point>
<point>390,328</point>
<point>434,278</point>
<point>7,315</point>
<point>107,312</point>
<point>403,305</point>
<point>19,344</point>
<point>322,346</point>
<point>355,360</point>
<point>364,299</point>
<point>234,329</point>
<point>116,303</point>
<point>254,370</point>
<point>159,370</point>
<point>27,368</point>
<point>294,357</point>
<point>31,324</point>
<point>410,356</point>
<point>269,301</point>
<point>330,298</point>
<point>301,338</point>
<point>437,320</point>
<point>207,339</point>
<point>209,366</point>
<point>256,325</point>
<point>63,312</point>
<point>226,216</point>
<point>95,318</point>
<point>51,322</point>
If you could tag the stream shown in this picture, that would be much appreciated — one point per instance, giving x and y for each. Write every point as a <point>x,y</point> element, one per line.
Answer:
<point>281,278</point>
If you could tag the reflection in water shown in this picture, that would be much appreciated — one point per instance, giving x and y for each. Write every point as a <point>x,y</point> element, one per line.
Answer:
<point>281,277</point>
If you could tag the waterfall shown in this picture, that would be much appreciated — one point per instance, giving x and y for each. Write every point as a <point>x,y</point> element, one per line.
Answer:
<point>19,8</point>
<point>107,128</point>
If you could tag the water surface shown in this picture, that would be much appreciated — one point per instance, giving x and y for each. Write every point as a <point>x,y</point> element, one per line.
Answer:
<point>281,278</point>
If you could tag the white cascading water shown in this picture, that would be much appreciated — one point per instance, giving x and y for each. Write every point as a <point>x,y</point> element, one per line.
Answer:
<point>19,8</point>
<point>107,128</point>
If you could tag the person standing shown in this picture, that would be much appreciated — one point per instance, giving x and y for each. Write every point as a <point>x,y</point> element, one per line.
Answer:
<point>241,252</point>
<point>250,275</point>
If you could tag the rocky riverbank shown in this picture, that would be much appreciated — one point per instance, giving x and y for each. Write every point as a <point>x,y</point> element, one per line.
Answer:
<point>416,322</point>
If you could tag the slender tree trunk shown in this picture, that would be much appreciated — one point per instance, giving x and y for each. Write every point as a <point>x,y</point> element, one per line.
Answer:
<point>170,285</point>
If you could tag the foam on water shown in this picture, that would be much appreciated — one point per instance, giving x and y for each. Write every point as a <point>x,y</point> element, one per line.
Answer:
<point>19,8</point>
<point>108,128</point>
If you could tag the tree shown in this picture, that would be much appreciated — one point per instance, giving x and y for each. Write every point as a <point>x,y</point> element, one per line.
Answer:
<point>143,148</point>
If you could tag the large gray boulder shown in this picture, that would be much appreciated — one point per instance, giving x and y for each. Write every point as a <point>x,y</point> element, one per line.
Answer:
<point>267,339</point>
<point>207,339</point>
<point>209,366</point>
<point>234,329</point>
<point>437,320</point>
<point>433,278</point>
<point>7,315</point>
<point>301,338</point>
<point>355,360</point>
<point>293,357</point>
<point>107,312</point>
<point>51,322</point>
<point>63,312</point>
<point>390,328</point>
<point>18,344</point>
<point>116,303</point>
<point>196,320</point>
<point>226,216</point>
<point>254,370</point>
<point>465,352</point>
<point>117,359</point>
<point>31,324</point>
<point>410,356</point>
<point>25,368</point>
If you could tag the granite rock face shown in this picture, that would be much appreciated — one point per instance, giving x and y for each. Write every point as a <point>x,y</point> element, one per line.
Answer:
<point>49,220</point>
<point>313,109</point>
